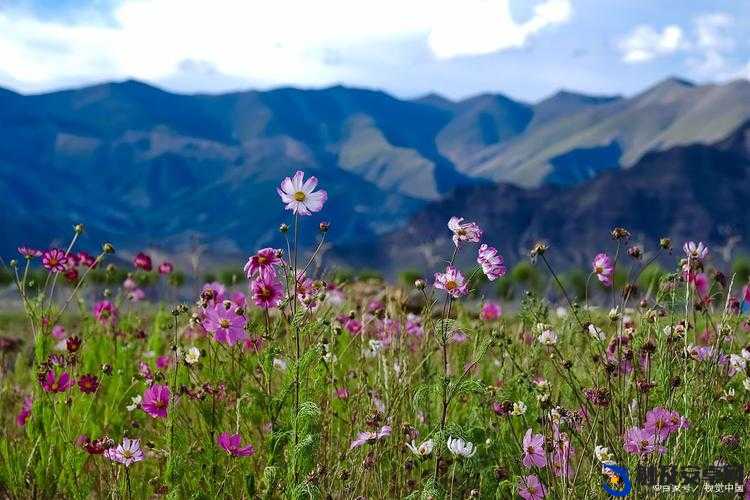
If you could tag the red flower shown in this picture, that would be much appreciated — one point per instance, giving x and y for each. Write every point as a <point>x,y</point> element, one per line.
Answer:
<point>88,383</point>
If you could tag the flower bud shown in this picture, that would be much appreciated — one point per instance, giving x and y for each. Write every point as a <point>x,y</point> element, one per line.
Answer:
<point>324,226</point>
<point>284,228</point>
<point>108,248</point>
<point>665,243</point>
<point>78,228</point>
<point>420,284</point>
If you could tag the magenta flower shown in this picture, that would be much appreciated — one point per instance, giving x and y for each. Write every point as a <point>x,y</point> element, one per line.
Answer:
<point>469,231</point>
<point>533,450</point>
<point>695,251</point>
<point>142,261</point>
<point>266,290</point>
<point>662,422</point>
<point>531,488</point>
<point>227,326</point>
<point>452,281</point>
<point>156,400</point>
<point>166,268</point>
<point>88,383</point>
<point>54,260</point>
<point>353,326</point>
<point>213,291</point>
<point>232,444</point>
<point>265,260</point>
<point>86,259</point>
<point>58,331</point>
<point>701,285</point>
<point>342,393</point>
<point>25,413</point>
<point>604,269</point>
<point>127,453</point>
<point>301,198</point>
<point>371,437</point>
<point>490,311</point>
<point>60,384</point>
<point>492,262</point>
<point>642,442</point>
<point>29,252</point>
<point>105,312</point>
<point>163,362</point>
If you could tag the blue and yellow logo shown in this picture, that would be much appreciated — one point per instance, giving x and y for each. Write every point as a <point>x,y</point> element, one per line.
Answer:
<point>617,482</point>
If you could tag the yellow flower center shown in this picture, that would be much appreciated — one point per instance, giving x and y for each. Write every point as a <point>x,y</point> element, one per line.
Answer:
<point>451,285</point>
<point>127,454</point>
<point>599,269</point>
<point>224,323</point>
<point>299,196</point>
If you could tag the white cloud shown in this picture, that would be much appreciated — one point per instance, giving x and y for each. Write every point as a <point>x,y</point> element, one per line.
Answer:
<point>712,42</point>
<point>266,42</point>
<point>474,27</point>
<point>645,43</point>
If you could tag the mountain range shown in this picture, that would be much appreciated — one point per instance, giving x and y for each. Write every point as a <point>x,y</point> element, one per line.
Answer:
<point>146,168</point>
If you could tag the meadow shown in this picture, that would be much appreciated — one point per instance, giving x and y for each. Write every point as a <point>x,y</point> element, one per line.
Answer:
<point>295,384</point>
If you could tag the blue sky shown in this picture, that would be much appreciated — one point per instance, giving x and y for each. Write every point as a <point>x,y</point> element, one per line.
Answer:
<point>527,49</point>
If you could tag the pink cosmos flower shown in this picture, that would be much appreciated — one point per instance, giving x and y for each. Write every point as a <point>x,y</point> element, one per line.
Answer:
<point>342,393</point>
<point>642,442</point>
<point>58,331</point>
<point>533,450</point>
<point>371,437</point>
<point>86,259</point>
<point>227,326</point>
<point>166,268</point>
<point>265,260</point>
<point>232,444</point>
<point>353,326</point>
<point>60,384</point>
<point>658,422</point>
<point>129,284</point>
<point>301,198</point>
<point>29,252</point>
<point>215,289</point>
<point>695,251</point>
<point>452,281</point>
<point>25,413</point>
<point>267,291</point>
<point>127,453</point>
<point>105,312</point>
<point>490,311</point>
<point>254,344</point>
<point>136,295</point>
<point>156,400</point>
<point>163,362</point>
<point>142,261</point>
<point>492,262</point>
<point>469,231</point>
<point>701,285</point>
<point>54,260</point>
<point>604,268</point>
<point>531,488</point>
<point>144,371</point>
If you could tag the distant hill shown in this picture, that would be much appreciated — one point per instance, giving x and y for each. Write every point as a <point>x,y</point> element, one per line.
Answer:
<point>143,167</point>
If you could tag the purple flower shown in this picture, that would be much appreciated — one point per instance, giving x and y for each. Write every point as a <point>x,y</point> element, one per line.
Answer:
<point>695,252</point>
<point>127,453</point>
<point>492,262</point>
<point>52,384</point>
<point>266,290</point>
<point>301,198</point>
<point>604,268</point>
<point>531,488</point>
<point>166,268</point>
<point>142,261</point>
<point>156,400</point>
<point>29,252</point>
<point>533,450</point>
<point>642,442</point>
<point>452,281</point>
<point>232,444</point>
<point>371,437</point>
<point>105,312</point>
<point>265,260</point>
<point>490,311</point>
<point>25,413</point>
<point>54,260</point>
<point>662,422</point>
<point>58,331</point>
<point>227,326</point>
<point>469,231</point>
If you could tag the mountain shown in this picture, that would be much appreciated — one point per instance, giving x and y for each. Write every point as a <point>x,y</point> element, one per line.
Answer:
<point>147,168</point>
<point>695,192</point>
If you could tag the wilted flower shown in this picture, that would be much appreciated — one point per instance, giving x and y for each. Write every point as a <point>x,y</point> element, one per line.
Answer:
<point>232,444</point>
<point>452,281</point>
<point>423,450</point>
<point>604,268</point>
<point>301,198</point>
<point>135,402</point>
<point>493,265</point>
<point>462,448</point>
<point>156,400</point>
<point>55,260</point>
<point>127,453</point>
<point>469,231</point>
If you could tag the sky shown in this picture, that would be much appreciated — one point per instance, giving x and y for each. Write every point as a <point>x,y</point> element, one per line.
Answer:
<point>527,49</point>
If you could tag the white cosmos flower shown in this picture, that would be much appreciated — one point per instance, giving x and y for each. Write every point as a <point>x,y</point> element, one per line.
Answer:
<point>330,358</point>
<point>547,337</point>
<point>602,454</point>
<point>519,408</point>
<point>301,198</point>
<point>135,402</point>
<point>279,363</point>
<point>596,333</point>
<point>462,448</point>
<point>192,355</point>
<point>423,449</point>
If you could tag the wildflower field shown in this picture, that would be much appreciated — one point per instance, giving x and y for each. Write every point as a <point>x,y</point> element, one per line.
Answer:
<point>296,384</point>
